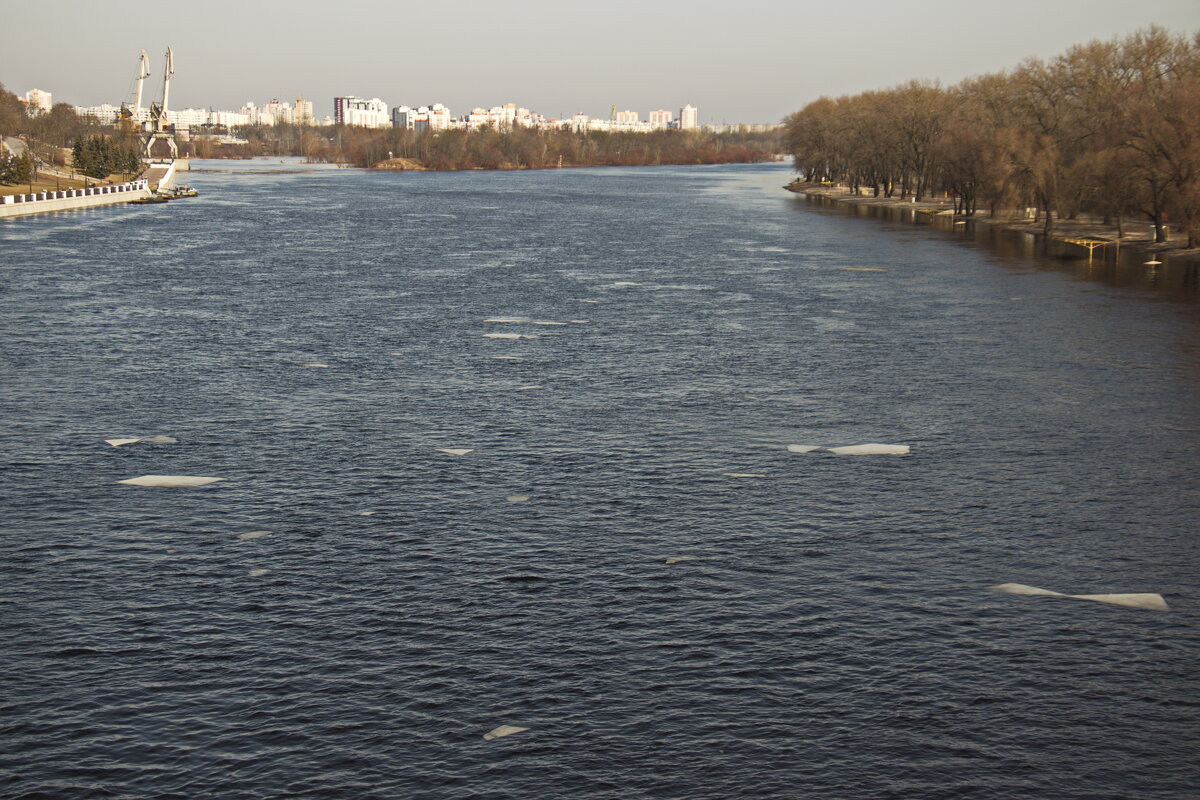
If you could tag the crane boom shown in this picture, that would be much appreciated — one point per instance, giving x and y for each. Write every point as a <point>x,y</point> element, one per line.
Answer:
<point>143,71</point>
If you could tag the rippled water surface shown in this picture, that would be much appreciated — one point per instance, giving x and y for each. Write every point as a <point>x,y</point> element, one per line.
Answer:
<point>831,635</point>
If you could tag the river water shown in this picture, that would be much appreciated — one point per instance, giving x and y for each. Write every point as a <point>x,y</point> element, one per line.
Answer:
<point>832,634</point>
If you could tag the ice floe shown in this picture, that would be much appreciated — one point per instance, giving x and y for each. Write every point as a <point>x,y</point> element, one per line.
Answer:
<point>743,475</point>
<point>508,358</point>
<point>510,336</point>
<point>1145,600</point>
<point>151,439</point>
<point>507,319</point>
<point>867,269</point>
<point>527,388</point>
<point>170,481</point>
<point>803,448</point>
<point>502,731</point>
<point>679,559</point>
<point>871,450</point>
<point>313,364</point>
<point>254,535</point>
<point>257,573</point>
<point>545,322</point>
<point>454,451</point>
<point>518,498</point>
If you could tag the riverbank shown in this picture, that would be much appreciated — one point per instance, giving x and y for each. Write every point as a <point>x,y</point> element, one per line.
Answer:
<point>1089,237</point>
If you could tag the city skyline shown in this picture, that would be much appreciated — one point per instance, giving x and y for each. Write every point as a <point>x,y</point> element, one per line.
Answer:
<point>767,62</point>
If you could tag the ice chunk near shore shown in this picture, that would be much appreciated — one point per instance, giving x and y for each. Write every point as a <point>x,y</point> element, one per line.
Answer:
<point>170,481</point>
<point>802,448</point>
<point>871,450</point>
<point>1145,600</point>
<point>253,535</point>
<point>119,442</point>
<point>454,451</point>
<point>257,573</point>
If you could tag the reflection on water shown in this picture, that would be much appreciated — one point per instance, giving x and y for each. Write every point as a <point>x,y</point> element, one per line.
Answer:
<point>1175,279</point>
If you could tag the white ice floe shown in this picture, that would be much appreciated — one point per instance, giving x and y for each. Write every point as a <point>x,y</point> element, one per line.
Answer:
<point>313,364</point>
<point>151,439</point>
<point>626,283</point>
<point>544,322</point>
<point>366,513</point>
<point>867,269</point>
<point>507,319</point>
<point>257,573</point>
<point>254,535</point>
<point>502,731</point>
<point>1146,600</point>
<point>518,498</point>
<point>454,451</point>
<point>503,335</point>
<point>589,301</point>
<point>678,559</point>
<point>170,481</point>
<point>803,448</point>
<point>508,358</point>
<point>871,450</point>
<point>743,475</point>
<point>527,388</point>
<point>579,322</point>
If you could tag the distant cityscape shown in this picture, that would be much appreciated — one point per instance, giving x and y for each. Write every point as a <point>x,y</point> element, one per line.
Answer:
<point>375,113</point>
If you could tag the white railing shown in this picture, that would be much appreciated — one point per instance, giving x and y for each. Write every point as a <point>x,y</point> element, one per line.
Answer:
<point>64,194</point>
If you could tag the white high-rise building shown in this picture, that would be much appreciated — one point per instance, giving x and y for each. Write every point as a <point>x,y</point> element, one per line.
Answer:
<point>661,118</point>
<point>688,117</point>
<point>351,110</point>
<point>304,111</point>
<point>37,102</point>
<point>626,117</point>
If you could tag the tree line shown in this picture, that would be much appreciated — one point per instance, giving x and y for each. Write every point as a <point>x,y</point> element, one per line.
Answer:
<point>488,148</point>
<point>1110,128</point>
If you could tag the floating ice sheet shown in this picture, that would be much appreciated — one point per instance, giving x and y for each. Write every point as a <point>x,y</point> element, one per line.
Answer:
<point>254,535</point>
<point>151,439</point>
<point>679,559</point>
<point>502,731</point>
<point>313,364</point>
<point>454,451</point>
<point>507,319</point>
<point>547,323</point>
<point>803,448</point>
<point>257,573</point>
<point>743,475</point>
<point>508,358</point>
<point>1149,601</point>
<point>518,498</point>
<point>866,269</point>
<point>170,481</point>
<point>871,450</point>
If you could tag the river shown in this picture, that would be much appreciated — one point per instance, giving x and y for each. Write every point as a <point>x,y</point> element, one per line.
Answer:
<point>826,628</point>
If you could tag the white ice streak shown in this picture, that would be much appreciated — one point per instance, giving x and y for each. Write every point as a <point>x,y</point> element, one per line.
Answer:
<point>254,535</point>
<point>507,319</point>
<point>802,448</point>
<point>547,323</point>
<point>678,559</point>
<point>170,481</point>
<point>1145,600</point>
<point>871,450</point>
<point>151,439</point>
<point>509,336</point>
<point>502,731</point>
<point>743,475</point>
<point>257,573</point>
<point>454,451</point>
<point>518,498</point>
<point>508,358</point>
<point>527,388</point>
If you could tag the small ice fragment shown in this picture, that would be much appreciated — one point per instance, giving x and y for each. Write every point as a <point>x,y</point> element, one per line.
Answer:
<point>312,364</point>
<point>503,730</point>
<point>170,481</point>
<point>503,335</point>
<point>527,388</point>
<point>508,358</point>
<point>626,283</point>
<point>867,269</point>
<point>547,323</point>
<point>160,440</point>
<point>871,450</point>
<point>254,535</point>
<point>802,448</point>
<point>454,451</point>
<point>518,498</point>
<point>366,513</point>
<point>579,322</point>
<point>743,475</point>
<point>589,301</point>
<point>119,442</point>
<point>506,319</point>
<point>257,573</point>
<point>1149,601</point>
<point>678,559</point>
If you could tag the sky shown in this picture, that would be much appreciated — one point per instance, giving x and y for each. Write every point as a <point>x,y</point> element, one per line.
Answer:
<point>743,61</point>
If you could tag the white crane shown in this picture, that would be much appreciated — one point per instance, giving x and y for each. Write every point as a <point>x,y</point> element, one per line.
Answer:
<point>142,73</point>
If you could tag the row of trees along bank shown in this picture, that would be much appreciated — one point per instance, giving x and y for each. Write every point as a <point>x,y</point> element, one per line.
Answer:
<point>488,148</point>
<point>1107,128</point>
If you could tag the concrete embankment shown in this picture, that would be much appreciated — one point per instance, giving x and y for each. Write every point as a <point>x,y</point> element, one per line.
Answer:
<point>19,205</point>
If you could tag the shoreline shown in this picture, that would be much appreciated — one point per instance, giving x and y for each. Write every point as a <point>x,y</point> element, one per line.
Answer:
<point>1105,245</point>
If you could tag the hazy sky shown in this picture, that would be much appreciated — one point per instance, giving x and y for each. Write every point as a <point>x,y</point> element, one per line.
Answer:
<point>742,61</point>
